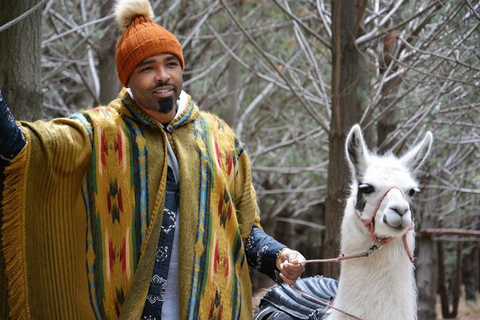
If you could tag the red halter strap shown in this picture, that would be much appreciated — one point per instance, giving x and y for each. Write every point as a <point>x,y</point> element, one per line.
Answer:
<point>370,225</point>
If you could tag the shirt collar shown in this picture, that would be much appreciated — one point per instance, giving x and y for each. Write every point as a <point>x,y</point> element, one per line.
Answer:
<point>181,102</point>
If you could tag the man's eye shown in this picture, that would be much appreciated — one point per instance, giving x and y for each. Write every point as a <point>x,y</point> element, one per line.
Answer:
<point>366,188</point>
<point>172,64</point>
<point>146,69</point>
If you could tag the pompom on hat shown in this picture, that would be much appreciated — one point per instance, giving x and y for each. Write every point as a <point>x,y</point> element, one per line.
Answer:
<point>142,37</point>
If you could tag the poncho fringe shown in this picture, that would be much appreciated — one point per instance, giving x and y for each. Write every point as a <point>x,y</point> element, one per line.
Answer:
<point>13,241</point>
<point>49,203</point>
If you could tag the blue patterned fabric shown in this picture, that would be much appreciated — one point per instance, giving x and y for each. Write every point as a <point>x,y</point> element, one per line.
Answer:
<point>261,251</point>
<point>12,139</point>
<point>158,284</point>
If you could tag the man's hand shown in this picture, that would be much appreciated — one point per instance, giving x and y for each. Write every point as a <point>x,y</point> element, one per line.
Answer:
<point>289,262</point>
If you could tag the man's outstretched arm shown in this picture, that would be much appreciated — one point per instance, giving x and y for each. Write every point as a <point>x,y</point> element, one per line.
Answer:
<point>266,254</point>
<point>12,139</point>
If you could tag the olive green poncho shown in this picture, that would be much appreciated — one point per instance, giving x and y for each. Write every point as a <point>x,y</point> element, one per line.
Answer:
<point>82,206</point>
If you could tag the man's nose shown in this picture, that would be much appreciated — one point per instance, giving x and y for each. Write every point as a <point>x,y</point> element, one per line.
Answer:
<point>162,75</point>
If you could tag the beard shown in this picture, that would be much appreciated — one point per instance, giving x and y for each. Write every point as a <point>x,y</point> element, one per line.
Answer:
<point>165,105</point>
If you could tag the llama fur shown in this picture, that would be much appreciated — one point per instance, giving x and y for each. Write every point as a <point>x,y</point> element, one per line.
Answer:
<point>381,286</point>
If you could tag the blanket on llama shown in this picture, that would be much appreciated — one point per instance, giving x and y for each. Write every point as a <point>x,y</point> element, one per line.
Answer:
<point>82,206</point>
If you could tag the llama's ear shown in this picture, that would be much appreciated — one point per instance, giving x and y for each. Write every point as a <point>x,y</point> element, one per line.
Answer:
<point>356,150</point>
<point>414,158</point>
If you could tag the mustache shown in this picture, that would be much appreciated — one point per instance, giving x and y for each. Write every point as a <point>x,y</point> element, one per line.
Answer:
<point>163,84</point>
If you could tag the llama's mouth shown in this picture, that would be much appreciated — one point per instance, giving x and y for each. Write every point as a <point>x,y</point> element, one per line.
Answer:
<point>397,225</point>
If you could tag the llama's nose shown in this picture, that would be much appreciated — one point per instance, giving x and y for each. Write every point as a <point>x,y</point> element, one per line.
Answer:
<point>400,210</point>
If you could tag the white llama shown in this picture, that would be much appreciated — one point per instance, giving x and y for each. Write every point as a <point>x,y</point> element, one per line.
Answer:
<point>381,286</point>
<point>378,212</point>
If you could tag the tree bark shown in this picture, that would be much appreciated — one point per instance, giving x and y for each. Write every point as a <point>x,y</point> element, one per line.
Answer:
<point>107,48</point>
<point>426,262</point>
<point>20,59</point>
<point>442,287</point>
<point>20,82</point>
<point>388,122</point>
<point>470,272</point>
<point>230,113</point>
<point>348,88</point>
<point>455,282</point>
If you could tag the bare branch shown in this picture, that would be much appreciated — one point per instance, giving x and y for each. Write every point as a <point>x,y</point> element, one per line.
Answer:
<point>454,189</point>
<point>300,22</point>
<point>450,232</point>
<point>66,33</point>
<point>302,222</point>
<point>409,67</point>
<point>375,30</point>
<point>374,35</point>
<point>323,17</point>
<point>262,52</point>
<point>22,16</point>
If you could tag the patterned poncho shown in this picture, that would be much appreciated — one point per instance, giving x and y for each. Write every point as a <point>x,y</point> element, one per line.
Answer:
<point>82,207</point>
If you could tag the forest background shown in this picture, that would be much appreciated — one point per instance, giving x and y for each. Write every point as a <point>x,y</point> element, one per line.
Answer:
<point>291,78</point>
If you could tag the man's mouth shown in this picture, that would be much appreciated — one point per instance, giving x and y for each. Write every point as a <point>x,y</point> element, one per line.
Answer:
<point>164,92</point>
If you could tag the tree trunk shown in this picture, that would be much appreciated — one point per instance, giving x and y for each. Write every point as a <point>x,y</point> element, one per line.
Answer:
<point>106,50</point>
<point>20,82</point>
<point>348,86</point>
<point>230,113</point>
<point>442,281</point>
<point>20,59</point>
<point>455,283</point>
<point>389,121</point>
<point>471,269</point>
<point>470,273</point>
<point>426,262</point>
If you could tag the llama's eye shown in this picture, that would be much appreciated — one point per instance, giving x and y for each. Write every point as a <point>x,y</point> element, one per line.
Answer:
<point>366,188</point>
<point>411,192</point>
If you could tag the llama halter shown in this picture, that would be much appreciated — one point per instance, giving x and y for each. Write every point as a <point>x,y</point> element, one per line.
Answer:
<point>370,225</point>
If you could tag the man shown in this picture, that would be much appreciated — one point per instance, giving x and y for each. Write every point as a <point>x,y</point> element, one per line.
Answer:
<point>143,209</point>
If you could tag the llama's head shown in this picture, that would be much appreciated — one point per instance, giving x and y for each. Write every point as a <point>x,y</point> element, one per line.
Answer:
<point>383,186</point>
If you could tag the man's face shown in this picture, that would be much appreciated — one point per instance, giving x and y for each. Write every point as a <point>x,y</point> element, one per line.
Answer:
<point>156,84</point>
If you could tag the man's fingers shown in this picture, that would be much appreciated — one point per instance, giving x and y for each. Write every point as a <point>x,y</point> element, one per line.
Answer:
<point>290,273</point>
<point>293,267</point>
<point>287,280</point>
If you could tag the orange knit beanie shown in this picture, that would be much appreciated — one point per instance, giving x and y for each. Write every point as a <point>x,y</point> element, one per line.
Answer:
<point>142,37</point>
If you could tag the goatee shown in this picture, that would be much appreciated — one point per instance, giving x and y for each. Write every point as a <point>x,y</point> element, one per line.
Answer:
<point>165,105</point>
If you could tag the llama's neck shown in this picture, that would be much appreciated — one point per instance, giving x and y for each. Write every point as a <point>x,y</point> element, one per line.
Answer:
<point>381,286</point>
